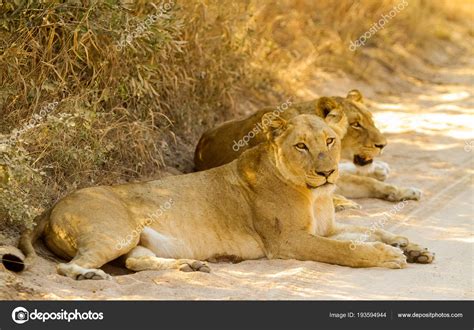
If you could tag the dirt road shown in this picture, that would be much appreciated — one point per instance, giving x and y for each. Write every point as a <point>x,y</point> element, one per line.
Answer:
<point>430,148</point>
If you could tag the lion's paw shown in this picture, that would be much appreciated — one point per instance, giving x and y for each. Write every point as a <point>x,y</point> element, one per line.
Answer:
<point>399,242</point>
<point>412,194</point>
<point>418,254</point>
<point>389,256</point>
<point>80,273</point>
<point>381,170</point>
<point>402,194</point>
<point>194,266</point>
<point>341,203</point>
<point>95,274</point>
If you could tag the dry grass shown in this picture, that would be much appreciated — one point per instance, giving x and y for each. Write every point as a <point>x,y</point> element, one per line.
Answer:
<point>124,115</point>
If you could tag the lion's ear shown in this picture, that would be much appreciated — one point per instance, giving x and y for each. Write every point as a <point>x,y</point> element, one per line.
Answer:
<point>273,125</point>
<point>330,110</point>
<point>326,105</point>
<point>355,95</point>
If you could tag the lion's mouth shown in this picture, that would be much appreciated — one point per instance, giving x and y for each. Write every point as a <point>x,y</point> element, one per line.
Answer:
<point>310,186</point>
<point>362,161</point>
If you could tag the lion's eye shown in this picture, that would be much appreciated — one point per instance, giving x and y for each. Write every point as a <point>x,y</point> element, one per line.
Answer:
<point>329,141</point>
<point>301,146</point>
<point>356,125</point>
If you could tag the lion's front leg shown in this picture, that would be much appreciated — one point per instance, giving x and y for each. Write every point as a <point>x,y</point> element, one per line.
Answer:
<point>303,246</point>
<point>377,169</point>
<point>353,186</point>
<point>360,234</point>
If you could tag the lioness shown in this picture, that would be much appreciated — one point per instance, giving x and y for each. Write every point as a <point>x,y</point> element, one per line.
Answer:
<point>274,201</point>
<point>347,116</point>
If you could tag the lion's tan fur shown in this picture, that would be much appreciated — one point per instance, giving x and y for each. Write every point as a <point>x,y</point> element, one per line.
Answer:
<point>215,147</point>
<point>271,202</point>
<point>347,116</point>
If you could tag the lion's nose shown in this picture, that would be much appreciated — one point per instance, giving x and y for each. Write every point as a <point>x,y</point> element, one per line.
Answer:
<point>380,146</point>
<point>325,173</point>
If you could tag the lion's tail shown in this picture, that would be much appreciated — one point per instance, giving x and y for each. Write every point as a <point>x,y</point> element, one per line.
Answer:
<point>29,237</point>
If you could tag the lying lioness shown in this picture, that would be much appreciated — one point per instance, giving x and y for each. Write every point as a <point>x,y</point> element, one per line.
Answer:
<point>347,116</point>
<point>274,201</point>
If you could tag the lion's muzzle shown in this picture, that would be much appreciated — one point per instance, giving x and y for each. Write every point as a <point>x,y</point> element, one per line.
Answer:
<point>362,161</point>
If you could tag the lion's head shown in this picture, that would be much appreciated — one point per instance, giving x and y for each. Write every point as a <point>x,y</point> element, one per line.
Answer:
<point>362,141</point>
<point>306,150</point>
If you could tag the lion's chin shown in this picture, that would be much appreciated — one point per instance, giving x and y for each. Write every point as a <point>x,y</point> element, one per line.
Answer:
<point>326,189</point>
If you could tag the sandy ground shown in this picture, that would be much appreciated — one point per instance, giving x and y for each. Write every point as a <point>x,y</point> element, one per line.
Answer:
<point>429,148</point>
